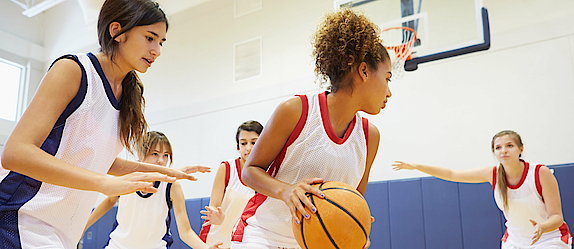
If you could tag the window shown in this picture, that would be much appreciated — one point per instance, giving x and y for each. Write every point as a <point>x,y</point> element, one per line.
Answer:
<point>10,82</point>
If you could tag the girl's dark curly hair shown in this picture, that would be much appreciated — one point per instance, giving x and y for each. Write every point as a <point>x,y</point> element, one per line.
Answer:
<point>342,41</point>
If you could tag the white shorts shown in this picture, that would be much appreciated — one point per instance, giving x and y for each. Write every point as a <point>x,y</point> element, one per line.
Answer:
<point>552,244</point>
<point>245,245</point>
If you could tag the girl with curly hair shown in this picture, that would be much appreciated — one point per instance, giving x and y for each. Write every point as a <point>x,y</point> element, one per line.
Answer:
<point>318,137</point>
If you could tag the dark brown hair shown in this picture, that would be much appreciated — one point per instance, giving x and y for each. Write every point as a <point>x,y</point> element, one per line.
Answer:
<point>130,14</point>
<point>501,173</point>
<point>149,141</point>
<point>342,41</point>
<point>250,125</point>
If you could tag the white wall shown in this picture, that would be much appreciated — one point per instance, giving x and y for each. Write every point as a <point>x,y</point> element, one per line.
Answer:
<point>444,113</point>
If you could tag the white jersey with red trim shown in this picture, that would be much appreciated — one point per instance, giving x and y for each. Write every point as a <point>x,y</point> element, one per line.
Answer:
<point>312,150</point>
<point>525,203</point>
<point>234,200</point>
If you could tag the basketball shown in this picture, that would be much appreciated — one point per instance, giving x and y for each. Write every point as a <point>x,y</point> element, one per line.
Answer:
<point>342,220</point>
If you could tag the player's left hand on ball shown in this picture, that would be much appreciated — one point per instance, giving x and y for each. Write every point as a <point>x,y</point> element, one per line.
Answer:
<point>537,232</point>
<point>295,198</point>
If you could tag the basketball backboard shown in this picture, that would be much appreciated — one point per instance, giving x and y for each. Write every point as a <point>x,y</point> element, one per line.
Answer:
<point>444,28</point>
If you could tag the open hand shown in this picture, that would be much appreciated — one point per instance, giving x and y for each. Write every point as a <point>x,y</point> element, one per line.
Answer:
<point>537,232</point>
<point>184,172</point>
<point>212,216</point>
<point>132,182</point>
<point>398,165</point>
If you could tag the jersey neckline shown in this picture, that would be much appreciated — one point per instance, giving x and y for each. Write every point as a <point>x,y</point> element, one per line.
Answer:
<point>522,178</point>
<point>324,109</point>
<point>111,97</point>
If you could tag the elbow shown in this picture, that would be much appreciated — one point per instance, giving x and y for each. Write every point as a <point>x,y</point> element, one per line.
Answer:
<point>247,176</point>
<point>7,159</point>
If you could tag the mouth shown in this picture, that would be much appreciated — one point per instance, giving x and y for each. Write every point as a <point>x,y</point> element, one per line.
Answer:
<point>148,61</point>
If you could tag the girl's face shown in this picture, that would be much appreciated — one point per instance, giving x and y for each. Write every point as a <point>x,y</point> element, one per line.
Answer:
<point>140,46</point>
<point>377,88</point>
<point>158,155</point>
<point>506,150</point>
<point>247,140</point>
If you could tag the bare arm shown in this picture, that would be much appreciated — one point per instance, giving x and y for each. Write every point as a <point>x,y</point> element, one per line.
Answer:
<point>122,166</point>
<point>102,209</point>
<point>22,152</point>
<point>268,146</point>
<point>551,194</point>
<point>186,234</point>
<point>476,175</point>
<point>213,214</point>
<point>374,138</point>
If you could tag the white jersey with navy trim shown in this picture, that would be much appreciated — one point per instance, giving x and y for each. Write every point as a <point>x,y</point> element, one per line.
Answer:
<point>34,214</point>
<point>312,150</point>
<point>143,220</point>
<point>234,200</point>
<point>525,203</point>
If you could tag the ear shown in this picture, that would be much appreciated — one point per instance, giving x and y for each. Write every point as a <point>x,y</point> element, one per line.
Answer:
<point>363,71</point>
<point>114,29</point>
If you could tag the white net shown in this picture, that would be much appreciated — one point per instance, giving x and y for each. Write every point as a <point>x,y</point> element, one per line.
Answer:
<point>398,41</point>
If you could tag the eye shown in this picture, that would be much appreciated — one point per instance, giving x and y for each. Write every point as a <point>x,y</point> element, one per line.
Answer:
<point>149,38</point>
<point>510,145</point>
<point>154,154</point>
<point>497,148</point>
<point>243,143</point>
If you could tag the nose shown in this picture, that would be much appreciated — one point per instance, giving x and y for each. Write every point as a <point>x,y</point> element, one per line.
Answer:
<point>156,50</point>
<point>160,160</point>
<point>389,93</point>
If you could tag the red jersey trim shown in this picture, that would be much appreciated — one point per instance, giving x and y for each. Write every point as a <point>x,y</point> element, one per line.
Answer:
<point>204,232</point>
<point>505,237</point>
<point>227,173</point>
<point>366,131</point>
<point>274,168</point>
<point>537,180</point>
<point>327,123</point>
<point>522,179</point>
<point>565,232</point>
<point>238,167</point>
<point>249,212</point>
<point>493,177</point>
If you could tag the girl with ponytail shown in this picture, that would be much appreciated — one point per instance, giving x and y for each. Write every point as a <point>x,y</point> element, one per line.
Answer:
<point>526,192</point>
<point>86,110</point>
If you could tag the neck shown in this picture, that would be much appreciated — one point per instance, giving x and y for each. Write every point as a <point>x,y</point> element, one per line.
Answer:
<point>342,110</point>
<point>114,71</point>
<point>514,169</point>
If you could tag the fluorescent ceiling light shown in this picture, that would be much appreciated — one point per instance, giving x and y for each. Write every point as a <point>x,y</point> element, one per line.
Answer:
<point>31,11</point>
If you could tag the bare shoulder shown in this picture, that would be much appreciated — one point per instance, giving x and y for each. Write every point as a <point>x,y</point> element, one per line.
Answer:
<point>374,131</point>
<point>546,175</point>
<point>291,107</point>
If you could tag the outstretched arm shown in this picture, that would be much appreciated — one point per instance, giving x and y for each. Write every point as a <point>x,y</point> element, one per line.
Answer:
<point>268,146</point>
<point>476,175</point>
<point>186,234</point>
<point>102,209</point>
<point>122,166</point>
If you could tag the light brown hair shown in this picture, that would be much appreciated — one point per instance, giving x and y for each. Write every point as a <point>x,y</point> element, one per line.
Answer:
<point>150,140</point>
<point>501,173</point>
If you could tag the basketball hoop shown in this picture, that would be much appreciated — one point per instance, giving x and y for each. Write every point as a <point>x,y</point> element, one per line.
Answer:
<point>398,41</point>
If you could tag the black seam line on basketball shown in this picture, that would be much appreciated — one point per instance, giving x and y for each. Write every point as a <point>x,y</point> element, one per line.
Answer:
<point>302,232</point>
<point>348,190</point>
<point>352,216</point>
<point>323,225</point>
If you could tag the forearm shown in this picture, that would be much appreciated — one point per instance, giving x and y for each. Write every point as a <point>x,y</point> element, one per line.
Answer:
<point>30,160</point>
<point>100,211</point>
<point>439,172</point>
<point>552,223</point>
<point>256,178</point>
<point>192,240</point>
<point>123,166</point>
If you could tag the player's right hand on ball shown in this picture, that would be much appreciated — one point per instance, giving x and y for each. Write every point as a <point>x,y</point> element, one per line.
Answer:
<point>132,182</point>
<point>295,198</point>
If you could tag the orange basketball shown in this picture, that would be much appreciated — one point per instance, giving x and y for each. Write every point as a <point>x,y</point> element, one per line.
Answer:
<point>342,220</point>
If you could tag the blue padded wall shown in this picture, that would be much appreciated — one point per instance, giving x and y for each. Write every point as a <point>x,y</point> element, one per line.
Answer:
<point>406,214</point>
<point>377,196</point>
<point>421,213</point>
<point>441,211</point>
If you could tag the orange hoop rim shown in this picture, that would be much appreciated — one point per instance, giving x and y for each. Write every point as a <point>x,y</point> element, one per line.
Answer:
<point>403,51</point>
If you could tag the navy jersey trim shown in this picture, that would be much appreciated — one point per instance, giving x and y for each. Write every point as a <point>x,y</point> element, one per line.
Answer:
<point>111,97</point>
<point>167,237</point>
<point>147,195</point>
<point>52,142</point>
<point>15,190</point>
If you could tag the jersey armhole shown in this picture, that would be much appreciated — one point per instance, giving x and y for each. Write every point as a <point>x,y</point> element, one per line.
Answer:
<point>537,181</point>
<point>493,178</point>
<point>227,173</point>
<point>79,98</point>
